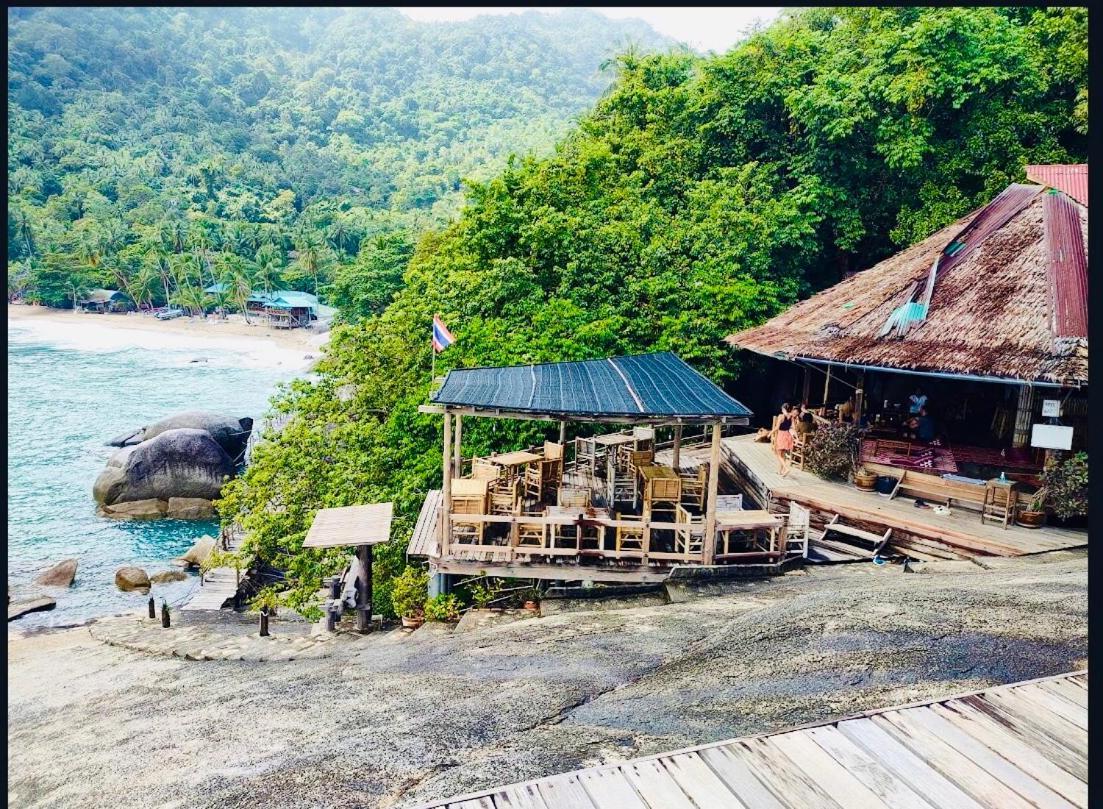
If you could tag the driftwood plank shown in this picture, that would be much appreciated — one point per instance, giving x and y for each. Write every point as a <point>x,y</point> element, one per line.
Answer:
<point>701,784</point>
<point>608,786</point>
<point>739,778</point>
<point>962,770</point>
<point>906,765</point>
<point>826,771</point>
<point>877,779</point>
<point>1059,705</point>
<point>1053,726</point>
<point>1020,755</point>
<point>1063,688</point>
<point>787,781</point>
<point>656,785</point>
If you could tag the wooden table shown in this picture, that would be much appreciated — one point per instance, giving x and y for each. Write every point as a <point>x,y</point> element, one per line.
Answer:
<point>614,439</point>
<point>511,462</point>
<point>747,520</point>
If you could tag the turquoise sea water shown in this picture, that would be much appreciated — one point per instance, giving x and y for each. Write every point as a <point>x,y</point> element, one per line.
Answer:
<point>64,402</point>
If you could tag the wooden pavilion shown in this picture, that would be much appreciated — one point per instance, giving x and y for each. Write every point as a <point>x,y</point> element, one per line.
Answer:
<point>598,508</point>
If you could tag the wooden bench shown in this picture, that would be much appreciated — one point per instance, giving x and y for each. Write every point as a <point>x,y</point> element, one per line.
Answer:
<point>933,487</point>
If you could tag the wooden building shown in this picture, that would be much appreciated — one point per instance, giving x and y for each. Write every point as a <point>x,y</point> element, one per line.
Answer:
<point>988,315</point>
<point>106,300</point>
<point>597,508</point>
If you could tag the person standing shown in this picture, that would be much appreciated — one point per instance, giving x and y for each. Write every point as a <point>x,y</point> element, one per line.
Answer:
<point>917,401</point>
<point>783,438</point>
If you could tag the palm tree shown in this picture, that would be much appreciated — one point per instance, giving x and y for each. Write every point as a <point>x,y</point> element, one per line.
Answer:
<point>312,256</point>
<point>158,260</point>
<point>268,270</point>
<point>235,275</point>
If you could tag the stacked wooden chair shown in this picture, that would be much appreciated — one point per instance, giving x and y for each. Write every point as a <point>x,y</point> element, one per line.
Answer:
<point>631,537</point>
<point>695,487</point>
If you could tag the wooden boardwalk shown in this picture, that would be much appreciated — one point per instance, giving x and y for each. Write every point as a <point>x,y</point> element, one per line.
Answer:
<point>1009,747</point>
<point>961,531</point>
<point>219,584</point>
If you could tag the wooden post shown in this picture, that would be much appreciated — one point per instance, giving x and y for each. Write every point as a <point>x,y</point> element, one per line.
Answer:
<point>446,489</point>
<point>1024,415</point>
<point>458,469</point>
<point>563,433</point>
<point>806,390</point>
<point>827,386</point>
<point>859,397</point>
<point>677,452</point>
<point>708,544</point>
<point>363,590</point>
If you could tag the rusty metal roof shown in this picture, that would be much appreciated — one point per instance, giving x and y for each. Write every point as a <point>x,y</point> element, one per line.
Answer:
<point>1003,311</point>
<point>1069,178</point>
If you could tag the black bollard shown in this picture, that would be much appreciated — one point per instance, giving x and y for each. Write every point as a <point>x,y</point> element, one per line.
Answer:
<point>264,622</point>
<point>165,614</point>
<point>152,608</point>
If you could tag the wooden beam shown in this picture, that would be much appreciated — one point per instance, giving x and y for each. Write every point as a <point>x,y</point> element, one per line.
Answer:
<point>363,590</point>
<point>827,386</point>
<point>859,397</point>
<point>457,468</point>
<point>563,432</point>
<point>677,451</point>
<point>431,409</point>
<point>709,540</point>
<point>643,574</point>
<point>518,415</point>
<point>1024,415</point>
<point>806,390</point>
<point>446,489</point>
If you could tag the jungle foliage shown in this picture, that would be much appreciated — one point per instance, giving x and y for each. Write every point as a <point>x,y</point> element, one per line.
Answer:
<point>160,150</point>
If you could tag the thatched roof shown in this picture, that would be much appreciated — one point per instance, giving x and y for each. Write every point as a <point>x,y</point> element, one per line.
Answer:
<point>1012,306</point>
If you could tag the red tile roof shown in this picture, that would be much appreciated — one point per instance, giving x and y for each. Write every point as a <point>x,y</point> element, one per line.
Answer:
<point>1071,179</point>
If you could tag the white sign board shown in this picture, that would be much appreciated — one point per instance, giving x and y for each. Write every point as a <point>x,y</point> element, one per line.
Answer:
<point>1051,436</point>
<point>1051,408</point>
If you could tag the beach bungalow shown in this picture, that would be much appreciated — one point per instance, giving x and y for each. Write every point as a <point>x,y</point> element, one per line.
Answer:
<point>983,325</point>
<point>636,505</point>
<point>283,308</point>
<point>106,300</point>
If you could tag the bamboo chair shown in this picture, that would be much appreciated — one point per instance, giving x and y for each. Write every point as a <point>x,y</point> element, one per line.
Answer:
<point>484,470</point>
<point>631,537</point>
<point>686,539</point>
<point>535,480</point>
<point>645,438</point>
<point>585,456</point>
<point>797,531</point>
<point>472,530</point>
<point>532,534</point>
<point>694,487</point>
<point>796,454</point>
<point>553,460</point>
<point>505,497</point>
<point>638,457</point>
<point>574,496</point>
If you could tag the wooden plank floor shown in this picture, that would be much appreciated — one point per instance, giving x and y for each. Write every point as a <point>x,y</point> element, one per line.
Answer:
<point>219,585</point>
<point>1020,745</point>
<point>962,528</point>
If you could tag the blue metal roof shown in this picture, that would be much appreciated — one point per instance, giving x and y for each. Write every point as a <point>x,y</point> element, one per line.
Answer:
<point>644,386</point>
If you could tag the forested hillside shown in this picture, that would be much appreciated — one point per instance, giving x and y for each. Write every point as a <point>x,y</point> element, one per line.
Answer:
<point>701,196</point>
<point>159,149</point>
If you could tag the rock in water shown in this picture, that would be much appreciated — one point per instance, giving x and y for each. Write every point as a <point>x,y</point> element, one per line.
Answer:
<point>189,508</point>
<point>60,575</point>
<point>232,434</point>
<point>132,578</point>
<point>167,576</point>
<point>197,553</point>
<point>151,509</point>
<point>17,609</point>
<point>176,463</point>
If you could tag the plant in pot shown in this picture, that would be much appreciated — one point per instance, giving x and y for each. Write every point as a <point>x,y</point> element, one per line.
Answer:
<point>408,596</point>
<point>484,592</point>
<point>865,480</point>
<point>1034,514</point>
<point>1066,484</point>
<point>443,609</point>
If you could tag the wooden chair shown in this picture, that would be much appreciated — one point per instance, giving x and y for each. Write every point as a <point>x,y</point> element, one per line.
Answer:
<point>1000,501</point>
<point>688,536</point>
<point>574,496</point>
<point>645,438</point>
<point>535,480</point>
<point>553,460</point>
<point>505,497</point>
<point>532,534</point>
<point>631,537</point>
<point>637,457</point>
<point>695,486</point>
<point>484,470</point>
<point>796,454</point>
<point>797,530</point>
<point>586,456</point>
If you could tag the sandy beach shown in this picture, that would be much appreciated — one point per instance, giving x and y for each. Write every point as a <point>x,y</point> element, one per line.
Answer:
<point>295,347</point>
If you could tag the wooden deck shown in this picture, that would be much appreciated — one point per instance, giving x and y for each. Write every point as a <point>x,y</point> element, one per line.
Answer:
<point>1021,745</point>
<point>219,584</point>
<point>961,533</point>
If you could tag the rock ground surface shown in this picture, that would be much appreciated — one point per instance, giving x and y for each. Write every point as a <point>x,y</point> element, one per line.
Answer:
<point>394,719</point>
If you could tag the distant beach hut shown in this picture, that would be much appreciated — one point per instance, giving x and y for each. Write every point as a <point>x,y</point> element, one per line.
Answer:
<point>106,300</point>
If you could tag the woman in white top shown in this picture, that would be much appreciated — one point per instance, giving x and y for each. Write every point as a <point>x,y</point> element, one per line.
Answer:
<point>916,402</point>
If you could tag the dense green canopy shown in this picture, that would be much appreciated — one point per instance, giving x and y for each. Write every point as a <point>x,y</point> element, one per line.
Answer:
<point>701,196</point>
<point>160,149</point>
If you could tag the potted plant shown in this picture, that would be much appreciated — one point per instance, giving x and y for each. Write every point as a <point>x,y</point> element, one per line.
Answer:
<point>865,480</point>
<point>484,592</point>
<point>1034,515</point>
<point>443,609</point>
<point>408,596</point>
<point>1066,484</point>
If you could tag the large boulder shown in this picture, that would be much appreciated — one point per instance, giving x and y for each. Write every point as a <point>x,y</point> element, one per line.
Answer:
<point>182,462</point>
<point>131,578</point>
<point>166,576</point>
<point>17,609</point>
<point>232,434</point>
<point>60,575</point>
<point>189,508</point>
<point>197,554</point>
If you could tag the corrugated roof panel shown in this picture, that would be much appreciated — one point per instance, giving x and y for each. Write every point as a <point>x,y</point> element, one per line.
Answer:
<point>991,218</point>
<point>646,385</point>
<point>1072,179</point>
<point>1068,266</point>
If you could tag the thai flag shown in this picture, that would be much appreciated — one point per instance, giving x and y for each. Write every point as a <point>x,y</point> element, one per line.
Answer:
<point>442,338</point>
